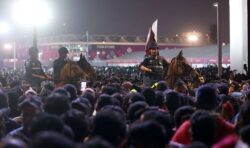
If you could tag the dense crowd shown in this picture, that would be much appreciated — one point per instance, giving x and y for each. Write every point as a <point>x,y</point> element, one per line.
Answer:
<point>116,111</point>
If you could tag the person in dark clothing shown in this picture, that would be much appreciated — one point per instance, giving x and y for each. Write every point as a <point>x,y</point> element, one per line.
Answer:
<point>59,63</point>
<point>153,66</point>
<point>34,73</point>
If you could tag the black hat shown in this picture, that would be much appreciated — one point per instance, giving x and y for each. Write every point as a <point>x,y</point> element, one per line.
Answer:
<point>153,45</point>
<point>63,50</point>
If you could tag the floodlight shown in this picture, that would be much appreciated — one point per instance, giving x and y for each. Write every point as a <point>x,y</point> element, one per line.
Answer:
<point>192,38</point>
<point>7,46</point>
<point>31,12</point>
<point>4,28</point>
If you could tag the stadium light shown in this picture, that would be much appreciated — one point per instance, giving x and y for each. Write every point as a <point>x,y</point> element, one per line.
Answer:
<point>9,46</point>
<point>32,13</point>
<point>215,4</point>
<point>4,28</point>
<point>192,37</point>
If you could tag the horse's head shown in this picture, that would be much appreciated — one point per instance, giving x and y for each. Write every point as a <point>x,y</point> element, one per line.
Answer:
<point>82,61</point>
<point>72,72</point>
<point>179,65</point>
<point>180,69</point>
<point>86,67</point>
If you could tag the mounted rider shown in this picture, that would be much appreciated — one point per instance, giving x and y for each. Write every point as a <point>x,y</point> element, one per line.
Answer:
<point>153,66</point>
<point>59,63</point>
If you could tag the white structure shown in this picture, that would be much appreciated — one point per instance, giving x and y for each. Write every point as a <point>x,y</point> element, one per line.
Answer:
<point>238,34</point>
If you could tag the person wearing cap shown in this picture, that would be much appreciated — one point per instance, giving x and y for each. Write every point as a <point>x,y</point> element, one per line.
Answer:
<point>59,63</point>
<point>30,106</point>
<point>153,66</point>
<point>34,73</point>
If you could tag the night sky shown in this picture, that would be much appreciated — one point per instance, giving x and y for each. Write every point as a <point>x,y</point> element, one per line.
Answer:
<point>127,17</point>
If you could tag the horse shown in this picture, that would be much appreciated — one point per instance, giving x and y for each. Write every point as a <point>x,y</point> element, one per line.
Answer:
<point>87,68</point>
<point>72,73</point>
<point>180,70</point>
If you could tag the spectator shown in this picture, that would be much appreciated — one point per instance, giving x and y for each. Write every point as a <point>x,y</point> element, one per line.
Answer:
<point>109,125</point>
<point>206,99</point>
<point>149,134</point>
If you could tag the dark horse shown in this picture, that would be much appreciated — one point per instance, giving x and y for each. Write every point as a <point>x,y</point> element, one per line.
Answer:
<point>180,70</point>
<point>74,72</point>
<point>87,68</point>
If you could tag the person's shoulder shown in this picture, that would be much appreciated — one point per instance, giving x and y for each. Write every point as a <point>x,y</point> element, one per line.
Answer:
<point>27,62</point>
<point>148,58</point>
<point>15,131</point>
<point>57,60</point>
<point>161,58</point>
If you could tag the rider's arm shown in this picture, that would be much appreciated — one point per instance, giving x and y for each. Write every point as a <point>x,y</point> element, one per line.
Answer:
<point>143,66</point>
<point>145,69</point>
<point>39,76</point>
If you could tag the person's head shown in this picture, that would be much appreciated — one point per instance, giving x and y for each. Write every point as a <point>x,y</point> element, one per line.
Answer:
<point>103,100</point>
<point>3,100</point>
<point>182,114</point>
<point>161,86</point>
<point>63,51</point>
<point>135,110</point>
<point>57,104</point>
<point>147,134</point>
<point>96,142</point>
<point>173,101</point>
<point>149,95</point>
<point>151,49</point>
<point>30,106</point>
<point>13,100</point>
<point>243,119</point>
<point>245,134</point>
<point>202,79</point>
<point>234,86</point>
<point>207,98</point>
<point>33,52</point>
<point>51,139</point>
<point>78,122</point>
<point>46,122</point>
<point>133,97</point>
<point>161,117</point>
<point>202,127</point>
<point>110,126</point>
<point>83,105</point>
<point>72,91</point>
<point>181,87</point>
<point>160,100</point>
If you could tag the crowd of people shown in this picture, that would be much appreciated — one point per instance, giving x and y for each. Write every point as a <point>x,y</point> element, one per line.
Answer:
<point>123,107</point>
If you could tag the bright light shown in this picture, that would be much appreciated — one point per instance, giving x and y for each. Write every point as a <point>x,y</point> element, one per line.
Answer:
<point>192,38</point>
<point>4,28</point>
<point>7,46</point>
<point>215,4</point>
<point>31,12</point>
